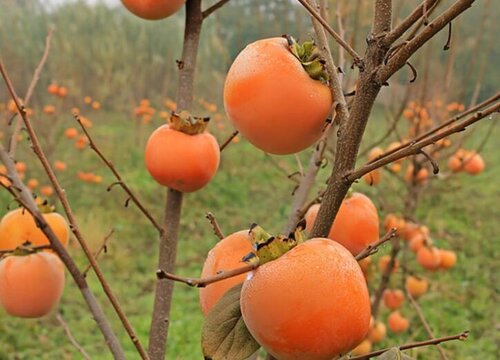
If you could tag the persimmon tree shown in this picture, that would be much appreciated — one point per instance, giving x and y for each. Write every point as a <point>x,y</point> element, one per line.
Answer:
<point>339,125</point>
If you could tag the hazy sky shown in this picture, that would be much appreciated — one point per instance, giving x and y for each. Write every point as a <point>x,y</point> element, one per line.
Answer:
<point>55,2</point>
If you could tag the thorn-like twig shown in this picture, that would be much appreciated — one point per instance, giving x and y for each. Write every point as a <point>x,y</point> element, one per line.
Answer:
<point>102,248</point>
<point>213,8</point>
<point>202,282</point>
<point>215,225</point>
<point>462,336</point>
<point>70,336</point>
<point>435,165</point>
<point>447,46</point>
<point>228,140</point>
<point>372,249</point>
<point>414,72</point>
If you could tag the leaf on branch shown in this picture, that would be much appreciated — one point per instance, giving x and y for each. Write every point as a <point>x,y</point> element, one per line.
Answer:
<point>394,354</point>
<point>224,334</point>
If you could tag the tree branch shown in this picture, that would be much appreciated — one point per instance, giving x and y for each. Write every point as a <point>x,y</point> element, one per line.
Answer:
<point>70,336</point>
<point>206,13</point>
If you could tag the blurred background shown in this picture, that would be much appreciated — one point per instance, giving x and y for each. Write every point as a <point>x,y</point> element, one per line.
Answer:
<point>120,75</point>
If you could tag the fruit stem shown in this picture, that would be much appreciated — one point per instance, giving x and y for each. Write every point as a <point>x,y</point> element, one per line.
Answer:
<point>308,55</point>
<point>188,124</point>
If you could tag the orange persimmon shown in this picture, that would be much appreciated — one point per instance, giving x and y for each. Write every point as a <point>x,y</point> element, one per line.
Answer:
<point>153,9</point>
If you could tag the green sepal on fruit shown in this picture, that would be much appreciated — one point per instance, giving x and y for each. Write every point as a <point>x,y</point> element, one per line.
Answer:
<point>268,248</point>
<point>23,250</point>
<point>308,55</point>
<point>187,123</point>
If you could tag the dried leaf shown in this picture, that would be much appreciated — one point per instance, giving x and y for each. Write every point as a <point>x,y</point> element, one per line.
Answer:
<point>225,335</point>
<point>394,354</point>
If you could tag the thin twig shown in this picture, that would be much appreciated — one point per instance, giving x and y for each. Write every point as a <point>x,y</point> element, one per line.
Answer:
<point>215,225</point>
<point>206,13</point>
<point>462,336</point>
<point>31,88</point>
<point>61,194</point>
<point>34,248</point>
<point>358,61</point>
<point>424,322</point>
<point>228,140</point>
<point>117,175</point>
<point>202,282</point>
<point>70,336</point>
<point>103,247</point>
<point>373,248</point>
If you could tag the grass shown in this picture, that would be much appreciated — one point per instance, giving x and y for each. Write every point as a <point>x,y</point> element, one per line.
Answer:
<point>248,188</point>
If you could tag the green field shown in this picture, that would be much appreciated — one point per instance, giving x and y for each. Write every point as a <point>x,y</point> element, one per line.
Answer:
<point>462,216</point>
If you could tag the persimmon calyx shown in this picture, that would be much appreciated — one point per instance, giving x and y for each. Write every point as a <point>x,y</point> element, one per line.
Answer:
<point>185,122</point>
<point>308,55</point>
<point>24,249</point>
<point>268,248</point>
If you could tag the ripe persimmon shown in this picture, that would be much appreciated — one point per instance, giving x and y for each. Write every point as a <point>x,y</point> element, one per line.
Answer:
<point>31,285</point>
<point>419,178</point>
<point>448,259</point>
<point>32,184</point>
<point>393,221</point>
<point>377,332</point>
<point>226,255</point>
<point>182,161</point>
<point>356,225</point>
<point>373,177</point>
<point>18,227</point>
<point>416,286</point>
<point>393,298</point>
<point>363,348</point>
<point>455,163</point>
<point>71,133</point>
<point>310,303</point>
<point>273,101</point>
<point>53,89</point>
<point>153,9</point>
<point>397,323</point>
<point>473,164</point>
<point>429,257</point>
<point>59,165</point>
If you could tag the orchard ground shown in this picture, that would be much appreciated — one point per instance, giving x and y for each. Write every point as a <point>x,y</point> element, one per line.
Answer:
<point>462,214</point>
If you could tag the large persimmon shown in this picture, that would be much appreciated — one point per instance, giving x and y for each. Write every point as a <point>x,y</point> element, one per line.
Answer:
<point>153,9</point>
<point>273,101</point>
<point>18,226</point>
<point>31,285</point>
<point>310,303</point>
<point>181,155</point>
<point>356,225</point>
<point>473,164</point>
<point>226,255</point>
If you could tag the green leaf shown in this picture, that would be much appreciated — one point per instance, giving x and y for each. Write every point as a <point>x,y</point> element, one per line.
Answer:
<point>394,354</point>
<point>225,335</point>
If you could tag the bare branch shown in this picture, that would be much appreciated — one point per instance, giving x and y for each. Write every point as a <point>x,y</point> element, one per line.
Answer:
<point>102,248</point>
<point>228,140</point>
<point>34,81</point>
<point>206,13</point>
<point>215,225</point>
<point>462,336</point>
<point>70,336</point>
<point>117,175</point>
<point>373,248</point>
<point>61,194</point>
<point>357,59</point>
<point>202,282</point>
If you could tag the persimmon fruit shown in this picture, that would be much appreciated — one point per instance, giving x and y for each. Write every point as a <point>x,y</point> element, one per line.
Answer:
<point>416,286</point>
<point>18,226</point>
<point>383,264</point>
<point>31,285</point>
<point>393,298</point>
<point>273,101</point>
<point>448,259</point>
<point>363,348</point>
<point>377,332</point>
<point>356,225</point>
<point>429,258</point>
<point>474,164</point>
<point>181,161</point>
<point>300,306</point>
<point>153,9</point>
<point>226,255</point>
<point>397,323</point>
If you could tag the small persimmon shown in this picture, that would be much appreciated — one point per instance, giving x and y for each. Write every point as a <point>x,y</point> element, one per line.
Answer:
<point>59,165</point>
<point>397,323</point>
<point>71,133</point>
<point>473,164</point>
<point>300,306</point>
<point>429,258</point>
<point>273,101</point>
<point>419,178</point>
<point>375,153</point>
<point>393,221</point>
<point>53,89</point>
<point>18,227</point>
<point>416,286</point>
<point>46,190</point>
<point>32,184</point>
<point>363,348</point>
<point>21,167</point>
<point>455,163</point>
<point>356,225</point>
<point>49,109</point>
<point>179,160</point>
<point>383,264</point>
<point>226,255</point>
<point>62,91</point>
<point>448,259</point>
<point>31,285</point>
<point>153,9</point>
<point>393,298</point>
<point>373,177</point>
<point>377,332</point>
<point>418,241</point>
